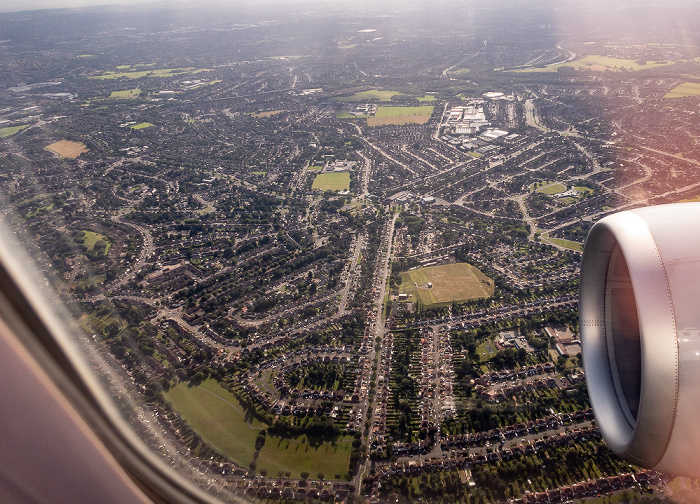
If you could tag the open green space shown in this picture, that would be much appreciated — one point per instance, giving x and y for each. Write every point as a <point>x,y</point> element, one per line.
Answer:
<point>584,190</point>
<point>316,168</point>
<point>90,322</point>
<point>11,130</point>
<point>553,188</point>
<point>458,282</point>
<point>222,421</point>
<point>401,115</point>
<point>301,454</point>
<point>600,64</point>
<point>90,238</point>
<point>40,210</point>
<point>371,95</point>
<point>332,181</point>
<point>427,98</point>
<point>218,416</point>
<point>141,125</point>
<point>684,90</point>
<point>347,115</point>
<point>162,72</point>
<point>126,94</point>
<point>268,113</point>
<point>563,243</point>
<point>89,282</point>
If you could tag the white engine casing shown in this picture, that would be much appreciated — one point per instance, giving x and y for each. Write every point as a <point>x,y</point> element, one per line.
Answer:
<point>639,309</point>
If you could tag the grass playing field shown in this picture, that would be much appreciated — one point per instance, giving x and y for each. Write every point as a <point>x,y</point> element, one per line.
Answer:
<point>90,238</point>
<point>222,421</point>
<point>401,115</point>
<point>683,90</point>
<point>552,188</point>
<point>600,64</point>
<point>127,94</point>
<point>566,243</point>
<point>297,455</point>
<point>347,115</point>
<point>332,181</point>
<point>457,283</point>
<point>11,130</point>
<point>218,417</point>
<point>371,95</point>
<point>66,148</point>
<point>268,113</point>
<point>141,125</point>
<point>163,72</point>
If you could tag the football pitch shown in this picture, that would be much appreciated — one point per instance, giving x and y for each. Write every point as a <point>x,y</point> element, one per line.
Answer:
<point>457,283</point>
<point>401,115</point>
<point>332,181</point>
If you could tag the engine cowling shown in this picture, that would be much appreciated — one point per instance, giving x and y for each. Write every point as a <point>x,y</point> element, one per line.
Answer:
<point>639,309</point>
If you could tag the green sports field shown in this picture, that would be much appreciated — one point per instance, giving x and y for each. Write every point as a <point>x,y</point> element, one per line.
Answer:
<point>11,130</point>
<point>218,417</point>
<point>600,64</point>
<point>401,115</point>
<point>141,125</point>
<point>332,181</point>
<point>126,94</point>
<point>162,72</point>
<point>371,95</point>
<point>553,188</point>
<point>458,282</point>
<point>223,422</point>
<point>684,90</point>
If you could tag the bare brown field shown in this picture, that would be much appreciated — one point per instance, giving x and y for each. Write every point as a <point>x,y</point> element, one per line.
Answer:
<point>68,149</point>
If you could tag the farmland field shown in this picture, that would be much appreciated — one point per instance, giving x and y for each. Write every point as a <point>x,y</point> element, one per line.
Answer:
<point>683,90</point>
<point>332,181</point>
<point>401,115</point>
<point>11,130</point>
<point>457,282</point>
<point>66,148</point>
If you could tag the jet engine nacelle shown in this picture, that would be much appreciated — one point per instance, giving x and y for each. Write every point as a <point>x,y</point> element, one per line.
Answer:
<point>639,308</point>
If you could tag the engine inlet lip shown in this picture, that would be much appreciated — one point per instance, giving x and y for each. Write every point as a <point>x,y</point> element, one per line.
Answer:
<point>645,440</point>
